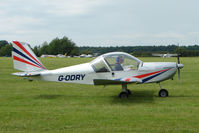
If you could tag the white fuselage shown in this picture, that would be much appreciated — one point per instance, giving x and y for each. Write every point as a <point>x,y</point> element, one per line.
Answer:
<point>85,74</point>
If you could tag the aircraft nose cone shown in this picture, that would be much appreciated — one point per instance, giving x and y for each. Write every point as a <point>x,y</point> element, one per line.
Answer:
<point>180,66</point>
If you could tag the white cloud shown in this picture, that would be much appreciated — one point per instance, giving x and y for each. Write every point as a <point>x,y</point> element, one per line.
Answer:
<point>68,7</point>
<point>37,20</point>
<point>99,22</point>
<point>162,38</point>
<point>16,23</point>
<point>2,12</point>
<point>169,35</point>
<point>193,33</point>
<point>21,28</point>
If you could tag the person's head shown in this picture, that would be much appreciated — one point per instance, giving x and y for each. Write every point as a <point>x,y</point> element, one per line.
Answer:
<point>120,59</point>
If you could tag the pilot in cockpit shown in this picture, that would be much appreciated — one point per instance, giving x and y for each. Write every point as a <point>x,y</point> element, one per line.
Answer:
<point>118,64</point>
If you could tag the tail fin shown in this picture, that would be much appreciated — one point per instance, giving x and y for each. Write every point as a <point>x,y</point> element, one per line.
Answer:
<point>24,59</point>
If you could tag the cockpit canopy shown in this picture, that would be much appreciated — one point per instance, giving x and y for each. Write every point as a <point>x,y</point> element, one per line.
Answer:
<point>115,61</point>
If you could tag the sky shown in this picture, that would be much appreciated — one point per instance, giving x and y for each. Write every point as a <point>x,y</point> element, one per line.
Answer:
<point>101,22</point>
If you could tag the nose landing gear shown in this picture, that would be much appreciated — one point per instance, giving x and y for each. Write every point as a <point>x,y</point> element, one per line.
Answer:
<point>163,92</point>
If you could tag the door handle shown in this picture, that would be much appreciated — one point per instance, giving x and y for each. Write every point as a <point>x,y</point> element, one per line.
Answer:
<point>113,74</point>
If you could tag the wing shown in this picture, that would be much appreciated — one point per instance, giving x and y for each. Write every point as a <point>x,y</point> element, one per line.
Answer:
<point>160,55</point>
<point>116,81</point>
<point>172,55</point>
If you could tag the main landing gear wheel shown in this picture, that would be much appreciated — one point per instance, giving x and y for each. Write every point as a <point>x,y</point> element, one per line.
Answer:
<point>163,93</point>
<point>123,95</point>
<point>128,91</point>
<point>125,92</point>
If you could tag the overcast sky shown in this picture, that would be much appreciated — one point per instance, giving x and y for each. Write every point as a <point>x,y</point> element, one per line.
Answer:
<point>101,22</point>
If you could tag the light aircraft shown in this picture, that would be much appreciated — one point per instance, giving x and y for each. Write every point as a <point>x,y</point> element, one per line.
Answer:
<point>165,55</point>
<point>111,68</point>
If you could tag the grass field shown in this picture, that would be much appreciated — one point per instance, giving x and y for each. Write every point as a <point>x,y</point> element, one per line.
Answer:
<point>59,107</point>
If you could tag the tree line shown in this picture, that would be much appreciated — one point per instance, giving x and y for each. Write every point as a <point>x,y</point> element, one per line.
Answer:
<point>146,51</point>
<point>63,46</point>
<point>67,47</point>
<point>5,48</point>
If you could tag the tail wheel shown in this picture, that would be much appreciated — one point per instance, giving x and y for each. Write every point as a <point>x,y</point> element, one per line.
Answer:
<point>163,93</point>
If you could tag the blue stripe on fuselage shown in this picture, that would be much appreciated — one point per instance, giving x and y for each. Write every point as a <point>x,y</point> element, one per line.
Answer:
<point>153,76</point>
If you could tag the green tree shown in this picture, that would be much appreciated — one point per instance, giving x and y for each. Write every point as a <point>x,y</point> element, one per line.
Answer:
<point>75,51</point>
<point>3,43</point>
<point>36,51</point>
<point>180,50</point>
<point>86,51</point>
<point>44,49</point>
<point>6,50</point>
<point>62,46</point>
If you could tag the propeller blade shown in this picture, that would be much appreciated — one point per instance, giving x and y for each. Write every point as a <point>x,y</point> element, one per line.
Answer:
<point>178,74</point>
<point>178,59</point>
<point>179,66</point>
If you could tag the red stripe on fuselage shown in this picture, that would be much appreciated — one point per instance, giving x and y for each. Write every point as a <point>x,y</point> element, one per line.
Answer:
<point>149,74</point>
<point>127,79</point>
<point>20,46</point>
<point>24,61</point>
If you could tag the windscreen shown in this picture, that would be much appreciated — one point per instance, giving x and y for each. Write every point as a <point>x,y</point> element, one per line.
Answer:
<point>120,62</point>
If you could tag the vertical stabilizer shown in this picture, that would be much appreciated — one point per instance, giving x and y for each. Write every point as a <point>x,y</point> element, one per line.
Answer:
<point>24,59</point>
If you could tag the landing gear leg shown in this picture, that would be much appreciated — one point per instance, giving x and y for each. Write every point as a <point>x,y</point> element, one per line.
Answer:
<point>163,92</point>
<point>125,92</point>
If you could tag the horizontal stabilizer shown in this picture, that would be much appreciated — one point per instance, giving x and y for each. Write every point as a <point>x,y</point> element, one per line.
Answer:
<point>26,74</point>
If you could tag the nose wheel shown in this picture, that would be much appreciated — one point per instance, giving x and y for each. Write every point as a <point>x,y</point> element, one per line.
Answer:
<point>163,92</point>
<point>125,92</point>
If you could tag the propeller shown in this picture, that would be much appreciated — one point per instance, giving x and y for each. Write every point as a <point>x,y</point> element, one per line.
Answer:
<point>179,66</point>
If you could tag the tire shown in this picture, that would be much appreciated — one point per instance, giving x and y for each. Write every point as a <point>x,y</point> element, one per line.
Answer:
<point>123,95</point>
<point>163,93</point>
<point>128,91</point>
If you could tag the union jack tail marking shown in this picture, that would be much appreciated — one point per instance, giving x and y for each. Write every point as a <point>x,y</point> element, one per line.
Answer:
<point>24,59</point>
